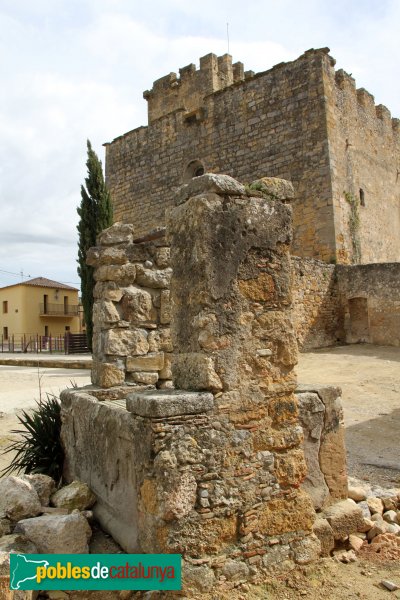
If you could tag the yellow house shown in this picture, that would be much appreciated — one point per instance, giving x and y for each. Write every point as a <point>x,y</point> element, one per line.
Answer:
<point>38,306</point>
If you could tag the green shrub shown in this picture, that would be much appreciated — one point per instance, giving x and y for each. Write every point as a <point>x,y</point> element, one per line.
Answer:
<point>39,448</point>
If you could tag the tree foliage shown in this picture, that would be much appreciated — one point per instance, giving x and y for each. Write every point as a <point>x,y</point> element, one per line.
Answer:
<point>95,214</point>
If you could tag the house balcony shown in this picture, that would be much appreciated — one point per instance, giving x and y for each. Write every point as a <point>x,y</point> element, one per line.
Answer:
<point>58,310</point>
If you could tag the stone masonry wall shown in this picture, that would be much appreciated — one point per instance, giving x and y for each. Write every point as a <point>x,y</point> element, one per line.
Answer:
<point>300,120</point>
<point>370,297</point>
<point>364,146</point>
<point>273,122</point>
<point>221,484</point>
<point>317,312</point>
<point>131,314</point>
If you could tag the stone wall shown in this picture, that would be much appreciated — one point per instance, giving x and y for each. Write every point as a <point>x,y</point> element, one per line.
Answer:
<point>317,312</point>
<point>131,314</point>
<point>299,120</point>
<point>273,122</point>
<point>364,146</point>
<point>370,297</point>
<point>214,466</point>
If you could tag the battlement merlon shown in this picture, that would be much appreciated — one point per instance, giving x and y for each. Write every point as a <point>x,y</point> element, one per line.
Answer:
<point>186,92</point>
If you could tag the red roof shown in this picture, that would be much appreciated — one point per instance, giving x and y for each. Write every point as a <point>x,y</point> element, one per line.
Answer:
<point>44,282</point>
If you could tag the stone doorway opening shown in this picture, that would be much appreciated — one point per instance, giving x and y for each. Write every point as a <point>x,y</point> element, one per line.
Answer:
<point>358,330</point>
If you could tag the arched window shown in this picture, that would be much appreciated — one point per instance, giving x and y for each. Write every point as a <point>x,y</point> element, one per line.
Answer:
<point>194,169</point>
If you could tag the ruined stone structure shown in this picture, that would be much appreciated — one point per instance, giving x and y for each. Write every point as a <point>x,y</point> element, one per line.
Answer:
<point>301,121</point>
<point>212,468</point>
<point>345,304</point>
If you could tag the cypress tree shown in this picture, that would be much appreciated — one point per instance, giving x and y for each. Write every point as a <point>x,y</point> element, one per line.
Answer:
<point>95,214</point>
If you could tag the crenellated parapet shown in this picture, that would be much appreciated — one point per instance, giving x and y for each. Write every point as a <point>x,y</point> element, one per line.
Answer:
<point>186,91</point>
<point>347,84</point>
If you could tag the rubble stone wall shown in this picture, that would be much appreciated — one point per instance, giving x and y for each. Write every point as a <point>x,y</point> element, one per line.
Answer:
<point>227,479</point>
<point>214,466</point>
<point>131,314</point>
<point>317,312</point>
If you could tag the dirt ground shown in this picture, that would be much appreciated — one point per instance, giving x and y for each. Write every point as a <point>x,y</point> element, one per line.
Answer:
<point>20,388</point>
<point>370,380</point>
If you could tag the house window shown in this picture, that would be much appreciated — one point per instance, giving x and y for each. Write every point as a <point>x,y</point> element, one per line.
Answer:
<point>5,306</point>
<point>362,197</point>
<point>46,331</point>
<point>5,333</point>
<point>65,305</point>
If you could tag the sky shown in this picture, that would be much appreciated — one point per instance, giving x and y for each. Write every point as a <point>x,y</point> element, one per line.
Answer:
<point>72,70</point>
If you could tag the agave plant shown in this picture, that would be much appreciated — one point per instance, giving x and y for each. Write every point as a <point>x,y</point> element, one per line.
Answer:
<point>38,449</point>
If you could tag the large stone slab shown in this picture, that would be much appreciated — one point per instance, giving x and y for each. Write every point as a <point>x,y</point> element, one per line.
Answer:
<point>100,450</point>
<point>168,403</point>
<point>210,183</point>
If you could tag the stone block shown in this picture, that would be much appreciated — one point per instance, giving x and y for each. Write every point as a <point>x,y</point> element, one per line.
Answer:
<point>17,543</point>
<point>165,307</point>
<point>18,499</point>
<point>57,534</point>
<point>119,233</point>
<point>97,257</point>
<point>149,278</point>
<point>104,313</point>
<point>344,517</point>
<point>137,306</point>
<point>306,550</point>
<point>125,342</point>
<point>103,445</point>
<point>210,183</point>
<point>311,415</point>
<point>167,403</point>
<point>149,378</point>
<point>119,273</point>
<point>281,189</point>
<point>76,495</point>
<point>324,533</point>
<point>43,484</point>
<point>282,515</point>
<point>195,371</point>
<point>107,375</point>
<point>163,257</point>
<point>160,339</point>
<point>150,362</point>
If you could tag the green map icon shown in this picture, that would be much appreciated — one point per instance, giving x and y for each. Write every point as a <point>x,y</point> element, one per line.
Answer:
<point>23,569</point>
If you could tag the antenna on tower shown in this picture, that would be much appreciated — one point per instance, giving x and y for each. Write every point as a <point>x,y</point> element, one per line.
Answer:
<point>227,34</point>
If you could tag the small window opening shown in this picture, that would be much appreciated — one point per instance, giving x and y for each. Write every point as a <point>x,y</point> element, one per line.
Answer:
<point>46,331</point>
<point>5,306</point>
<point>5,333</point>
<point>199,171</point>
<point>362,197</point>
<point>67,328</point>
<point>194,169</point>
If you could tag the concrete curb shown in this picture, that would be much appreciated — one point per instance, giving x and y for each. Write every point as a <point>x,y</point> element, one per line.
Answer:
<point>52,363</point>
